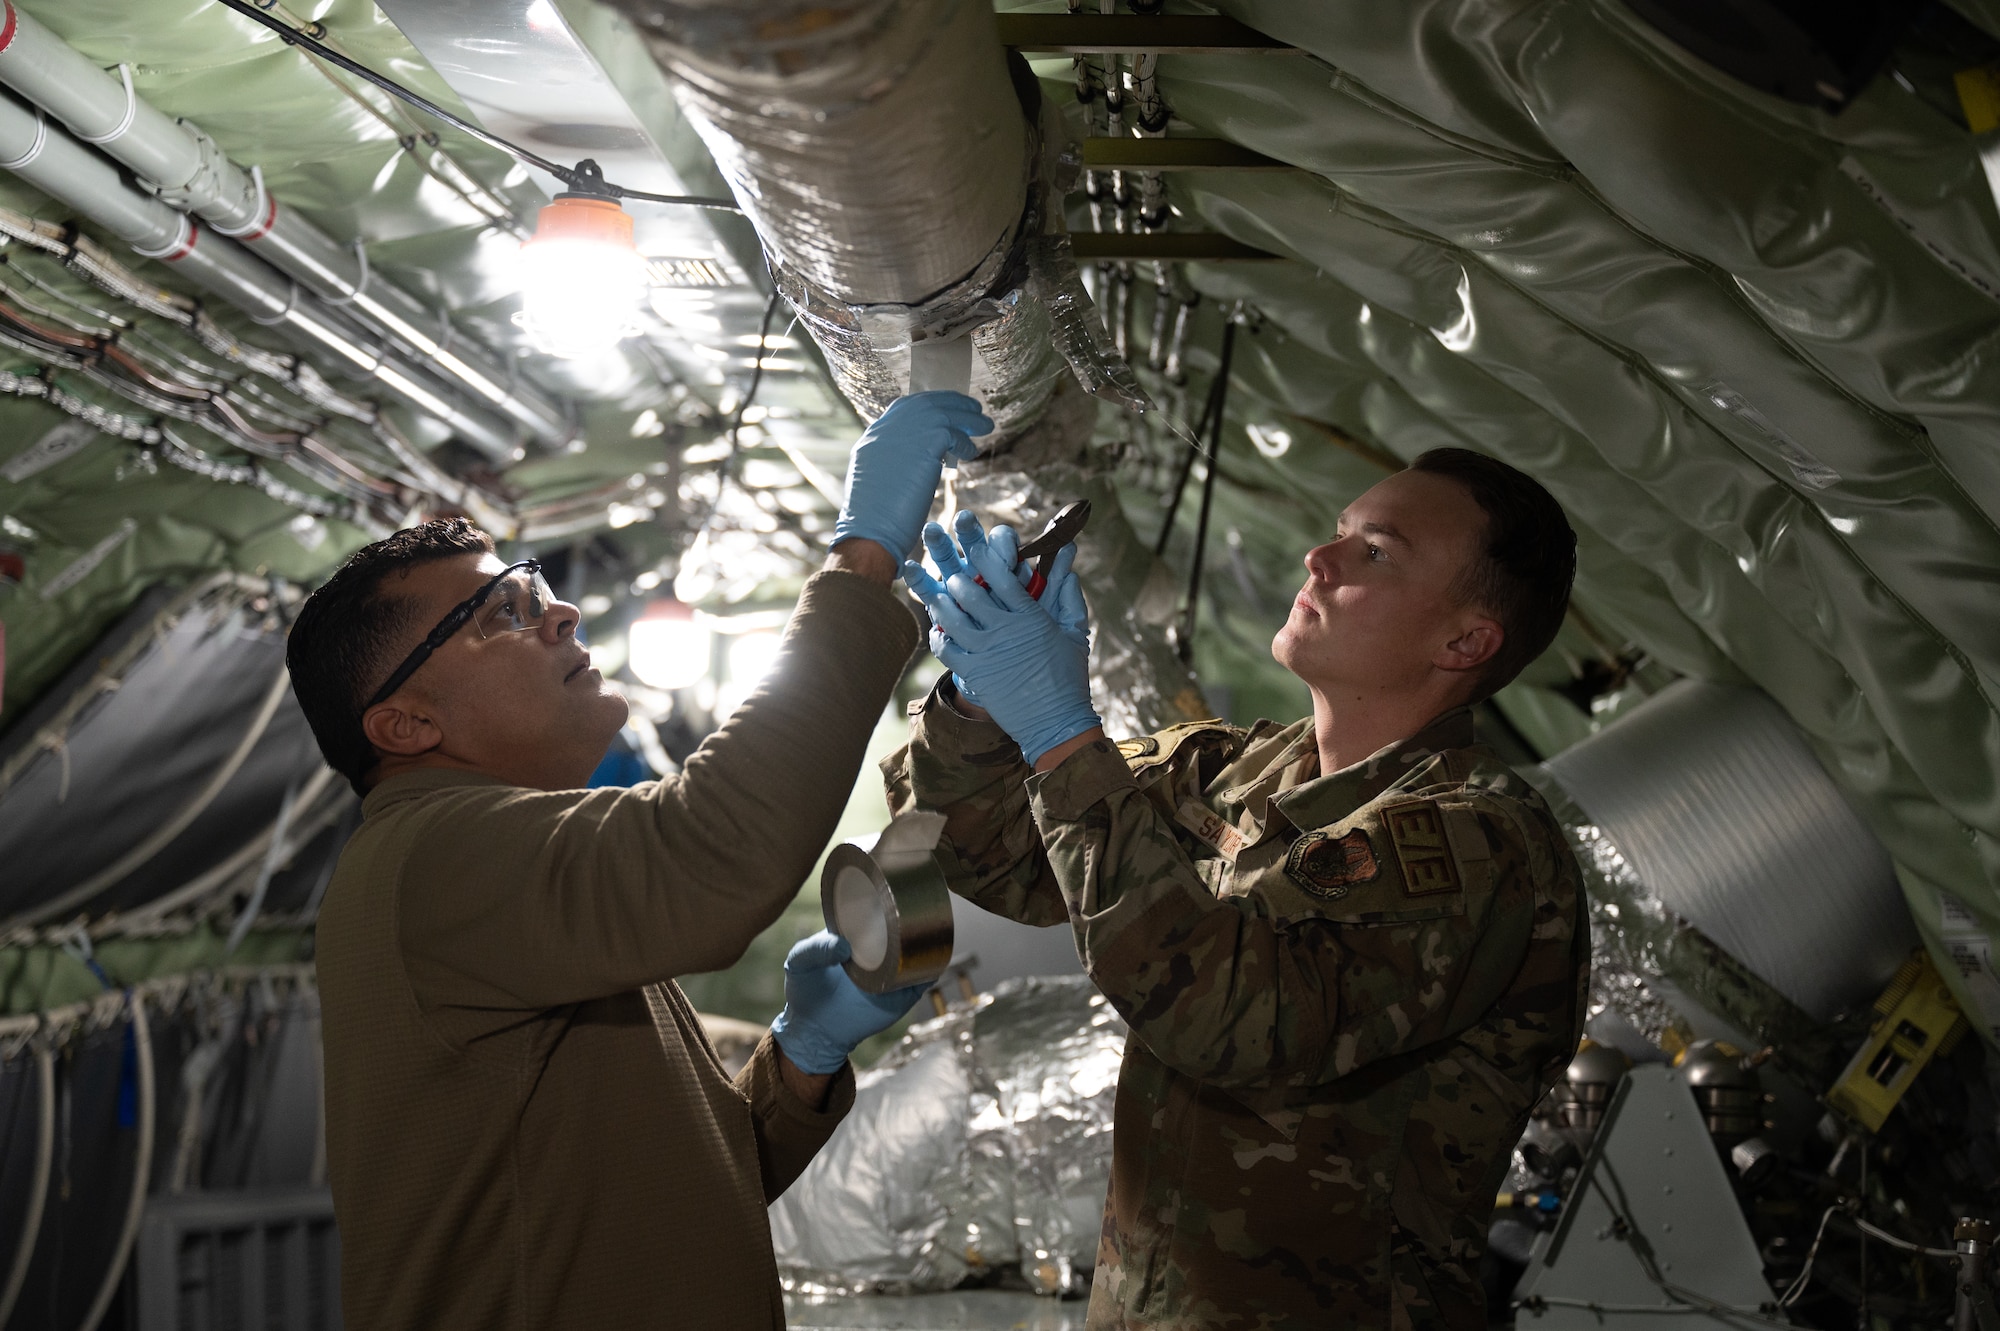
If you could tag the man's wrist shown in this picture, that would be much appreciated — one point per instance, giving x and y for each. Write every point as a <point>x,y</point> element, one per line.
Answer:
<point>864,557</point>
<point>810,1088</point>
<point>1054,757</point>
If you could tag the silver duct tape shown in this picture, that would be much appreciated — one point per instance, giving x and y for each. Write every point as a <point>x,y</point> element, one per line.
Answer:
<point>891,905</point>
<point>1709,801</point>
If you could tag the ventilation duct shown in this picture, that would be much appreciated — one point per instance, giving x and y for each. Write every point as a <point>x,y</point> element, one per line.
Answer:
<point>1705,802</point>
<point>906,185</point>
<point>186,169</point>
<point>907,188</point>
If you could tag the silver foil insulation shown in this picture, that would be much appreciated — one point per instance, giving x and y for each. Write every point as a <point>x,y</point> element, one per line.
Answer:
<point>900,187</point>
<point>982,1142</point>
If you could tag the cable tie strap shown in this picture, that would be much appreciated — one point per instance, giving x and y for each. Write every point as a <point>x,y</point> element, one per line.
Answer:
<point>291,300</point>
<point>263,214</point>
<point>131,111</point>
<point>361,285</point>
<point>35,148</point>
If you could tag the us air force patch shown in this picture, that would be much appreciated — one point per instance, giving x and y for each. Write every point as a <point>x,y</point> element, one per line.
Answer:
<point>1327,865</point>
<point>1416,830</point>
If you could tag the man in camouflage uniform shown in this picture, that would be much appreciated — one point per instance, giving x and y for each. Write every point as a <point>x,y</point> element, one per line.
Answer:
<point>1351,950</point>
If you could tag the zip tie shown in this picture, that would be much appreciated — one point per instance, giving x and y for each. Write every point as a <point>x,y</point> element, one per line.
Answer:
<point>35,148</point>
<point>131,111</point>
<point>59,746</point>
<point>258,222</point>
<point>360,257</point>
<point>291,300</point>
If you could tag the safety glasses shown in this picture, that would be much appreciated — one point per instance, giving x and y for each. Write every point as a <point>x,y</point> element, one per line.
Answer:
<point>514,600</point>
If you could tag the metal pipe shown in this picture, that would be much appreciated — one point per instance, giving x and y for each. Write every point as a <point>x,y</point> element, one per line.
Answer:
<point>46,157</point>
<point>1972,1239</point>
<point>190,172</point>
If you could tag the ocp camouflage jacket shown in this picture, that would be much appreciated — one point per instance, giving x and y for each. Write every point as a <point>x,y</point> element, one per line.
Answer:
<point>1345,994</point>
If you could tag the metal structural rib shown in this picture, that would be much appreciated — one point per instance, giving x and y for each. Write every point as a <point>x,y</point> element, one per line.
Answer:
<point>49,159</point>
<point>185,168</point>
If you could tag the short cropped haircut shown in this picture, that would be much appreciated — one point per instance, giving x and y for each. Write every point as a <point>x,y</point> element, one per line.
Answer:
<point>1523,576</point>
<point>341,645</point>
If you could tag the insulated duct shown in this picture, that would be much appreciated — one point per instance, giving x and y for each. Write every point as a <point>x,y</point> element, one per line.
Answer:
<point>907,187</point>
<point>1705,802</point>
<point>904,185</point>
<point>49,159</point>
<point>186,169</point>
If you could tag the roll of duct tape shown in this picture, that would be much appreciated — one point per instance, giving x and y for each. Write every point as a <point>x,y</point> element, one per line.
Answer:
<point>891,904</point>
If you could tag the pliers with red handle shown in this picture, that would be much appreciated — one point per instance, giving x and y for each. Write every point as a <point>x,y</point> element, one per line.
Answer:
<point>1063,528</point>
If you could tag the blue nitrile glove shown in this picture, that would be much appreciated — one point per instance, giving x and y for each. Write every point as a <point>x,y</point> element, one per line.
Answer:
<point>827,1014</point>
<point>1005,543</point>
<point>1027,662</point>
<point>893,474</point>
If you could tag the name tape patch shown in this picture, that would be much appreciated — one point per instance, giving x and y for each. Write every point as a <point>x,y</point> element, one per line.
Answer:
<point>1416,830</point>
<point>1327,865</point>
<point>1210,828</point>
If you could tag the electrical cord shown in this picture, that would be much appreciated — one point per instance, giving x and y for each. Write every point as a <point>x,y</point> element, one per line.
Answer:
<point>1873,1232</point>
<point>1184,639</point>
<point>38,1187</point>
<point>756,371</point>
<point>1211,408</point>
<point>584,177</point>
<point>1805,1274</point>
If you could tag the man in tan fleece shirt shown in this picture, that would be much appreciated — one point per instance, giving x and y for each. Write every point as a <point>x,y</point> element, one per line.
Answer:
<point>526,1127</point>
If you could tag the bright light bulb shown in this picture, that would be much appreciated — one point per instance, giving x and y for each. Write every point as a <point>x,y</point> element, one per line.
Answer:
<point>667,648</point>
<point>582,280</point>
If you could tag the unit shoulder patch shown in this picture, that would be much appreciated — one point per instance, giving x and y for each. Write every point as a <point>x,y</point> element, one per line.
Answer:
<point>1327,865</point>
<point>1416,830</point>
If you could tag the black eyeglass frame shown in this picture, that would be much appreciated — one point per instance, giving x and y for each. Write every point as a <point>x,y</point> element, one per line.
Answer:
<point>461,615</point>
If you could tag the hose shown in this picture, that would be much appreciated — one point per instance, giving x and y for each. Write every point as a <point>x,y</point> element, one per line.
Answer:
<point>174,826</point>
<point>142,1170</point>
<point>38,1190</point>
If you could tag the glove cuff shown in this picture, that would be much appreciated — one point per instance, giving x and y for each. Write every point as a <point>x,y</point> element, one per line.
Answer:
<point>811,1050</point>
<point>851,529</point>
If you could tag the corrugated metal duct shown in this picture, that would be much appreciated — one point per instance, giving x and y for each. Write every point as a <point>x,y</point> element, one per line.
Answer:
<point>1713,799</point>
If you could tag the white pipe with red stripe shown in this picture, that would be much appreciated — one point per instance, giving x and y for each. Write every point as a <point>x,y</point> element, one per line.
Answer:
<point>189,171</point>
<point>44,155</point>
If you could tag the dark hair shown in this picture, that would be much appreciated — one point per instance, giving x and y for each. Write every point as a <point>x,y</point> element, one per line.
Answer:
<point>340,646</point>
<point>1523,577</point>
